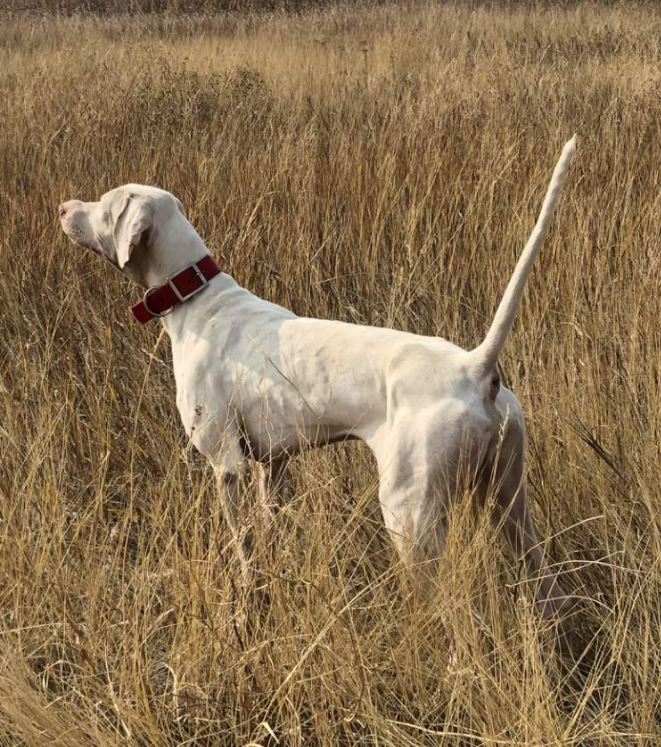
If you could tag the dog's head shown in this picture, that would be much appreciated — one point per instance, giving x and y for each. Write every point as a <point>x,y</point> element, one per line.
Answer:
<point>138,229</point>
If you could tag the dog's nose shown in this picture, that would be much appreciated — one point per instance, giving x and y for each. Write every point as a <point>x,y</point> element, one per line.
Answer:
<point>65,207</point>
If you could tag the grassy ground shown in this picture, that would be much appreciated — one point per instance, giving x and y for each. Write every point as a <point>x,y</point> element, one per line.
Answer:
<point>378,165</point>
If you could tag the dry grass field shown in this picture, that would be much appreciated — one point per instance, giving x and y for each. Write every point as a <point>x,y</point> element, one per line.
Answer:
<point>378,165</point>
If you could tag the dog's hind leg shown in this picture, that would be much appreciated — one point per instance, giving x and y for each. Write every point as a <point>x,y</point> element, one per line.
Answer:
<point>410,512</point>
<point>420,471</point>
<point>520,532</point>
<point>511,507</point>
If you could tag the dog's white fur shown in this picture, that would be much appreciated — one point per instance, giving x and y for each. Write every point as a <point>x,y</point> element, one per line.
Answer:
<point>254,380</point>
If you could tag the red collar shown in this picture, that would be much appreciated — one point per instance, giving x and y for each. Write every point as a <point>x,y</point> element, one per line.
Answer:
<point>159,300</point>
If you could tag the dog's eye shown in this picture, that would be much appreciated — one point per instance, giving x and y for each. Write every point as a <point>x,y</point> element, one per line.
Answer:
<point>495,387</point>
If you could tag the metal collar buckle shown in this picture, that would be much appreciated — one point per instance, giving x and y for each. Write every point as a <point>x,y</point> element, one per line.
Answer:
<point>203,282</point>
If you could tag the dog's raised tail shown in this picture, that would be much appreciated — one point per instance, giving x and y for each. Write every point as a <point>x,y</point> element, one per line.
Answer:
<point>487,353</point>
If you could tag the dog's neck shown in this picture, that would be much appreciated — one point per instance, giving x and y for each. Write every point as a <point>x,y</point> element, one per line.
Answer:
<point>152,264</point>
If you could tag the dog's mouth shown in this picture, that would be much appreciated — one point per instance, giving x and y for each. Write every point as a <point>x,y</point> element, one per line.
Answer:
<point>76,237</point>
<point>85,245</point>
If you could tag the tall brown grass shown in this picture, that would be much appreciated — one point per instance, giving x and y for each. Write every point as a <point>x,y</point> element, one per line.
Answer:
<point>377,165</point>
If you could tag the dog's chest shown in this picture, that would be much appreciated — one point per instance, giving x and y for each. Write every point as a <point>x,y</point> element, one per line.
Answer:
<point>236,377</point>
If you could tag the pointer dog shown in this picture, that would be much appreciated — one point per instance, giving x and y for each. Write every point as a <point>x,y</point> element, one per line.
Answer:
<point>256,381</point>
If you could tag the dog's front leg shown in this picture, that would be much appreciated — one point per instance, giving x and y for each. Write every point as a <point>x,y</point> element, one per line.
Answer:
<point>230,467</point>
<point>272,485</point>
<point>231,488</point>
<point>221,443</point>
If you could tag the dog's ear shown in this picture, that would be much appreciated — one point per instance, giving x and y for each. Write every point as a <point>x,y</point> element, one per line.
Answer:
<point>131,227</point>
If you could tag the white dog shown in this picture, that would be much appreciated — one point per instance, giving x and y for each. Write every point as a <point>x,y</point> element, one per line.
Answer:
<point>256,381</point>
